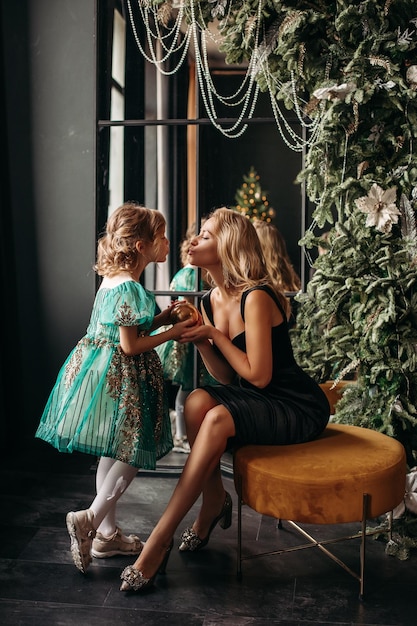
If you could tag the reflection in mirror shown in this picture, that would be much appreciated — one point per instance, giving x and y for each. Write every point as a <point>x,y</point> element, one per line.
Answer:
<point>157,145</point>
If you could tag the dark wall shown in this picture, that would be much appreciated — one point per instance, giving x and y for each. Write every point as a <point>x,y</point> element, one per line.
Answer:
<point>48,86</point>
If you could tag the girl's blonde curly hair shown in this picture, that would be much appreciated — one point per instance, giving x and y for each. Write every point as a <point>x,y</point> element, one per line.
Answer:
<point>130,223</point>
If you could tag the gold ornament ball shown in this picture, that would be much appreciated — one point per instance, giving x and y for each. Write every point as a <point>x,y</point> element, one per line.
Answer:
<point>183,311</point>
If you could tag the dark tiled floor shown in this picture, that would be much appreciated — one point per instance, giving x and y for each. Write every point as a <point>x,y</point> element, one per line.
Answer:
<point>39,585</point>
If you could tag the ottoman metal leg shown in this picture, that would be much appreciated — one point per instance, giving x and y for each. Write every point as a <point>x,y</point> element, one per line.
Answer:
<point>312,542</point>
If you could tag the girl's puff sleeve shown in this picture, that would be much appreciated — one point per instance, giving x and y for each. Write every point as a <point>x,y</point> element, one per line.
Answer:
<point>128,304</point>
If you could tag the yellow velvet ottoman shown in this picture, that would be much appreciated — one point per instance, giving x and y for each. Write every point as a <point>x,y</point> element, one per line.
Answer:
<point>348,474</point>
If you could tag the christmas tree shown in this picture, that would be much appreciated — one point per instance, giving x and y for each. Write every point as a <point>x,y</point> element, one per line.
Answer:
<point>251,201</point>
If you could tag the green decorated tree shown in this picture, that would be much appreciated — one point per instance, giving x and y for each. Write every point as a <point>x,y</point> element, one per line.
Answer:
<point>251,200</point>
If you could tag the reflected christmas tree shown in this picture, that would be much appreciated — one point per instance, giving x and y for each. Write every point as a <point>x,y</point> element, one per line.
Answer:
<point>251,200</point>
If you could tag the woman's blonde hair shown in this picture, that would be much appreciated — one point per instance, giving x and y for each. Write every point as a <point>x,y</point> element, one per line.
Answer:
<point>277,261</point>
<point>130,223</point>
<point>240,252</point>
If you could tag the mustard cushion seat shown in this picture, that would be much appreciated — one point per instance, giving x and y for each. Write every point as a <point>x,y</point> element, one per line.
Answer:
<point>323,481</point>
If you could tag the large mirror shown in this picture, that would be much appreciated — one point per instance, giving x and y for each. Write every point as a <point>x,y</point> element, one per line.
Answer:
<point>157,144</point>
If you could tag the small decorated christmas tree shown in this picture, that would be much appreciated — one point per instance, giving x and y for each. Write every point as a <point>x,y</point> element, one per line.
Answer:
<point>251,201</point>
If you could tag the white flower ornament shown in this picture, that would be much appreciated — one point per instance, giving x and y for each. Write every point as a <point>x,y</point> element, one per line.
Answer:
<point>380,207</point>
<point>411,76</point>
<point>410,498</point>
<point>334,92</point>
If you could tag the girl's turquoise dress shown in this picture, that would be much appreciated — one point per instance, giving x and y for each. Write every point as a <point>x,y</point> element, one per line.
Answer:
<point>178,358</point>
<point>105,403</point>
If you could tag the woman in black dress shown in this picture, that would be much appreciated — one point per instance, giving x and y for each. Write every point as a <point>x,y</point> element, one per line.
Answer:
<point>263,396</point>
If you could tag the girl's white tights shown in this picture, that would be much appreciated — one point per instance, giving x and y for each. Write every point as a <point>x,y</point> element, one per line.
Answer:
<point>180,431</point>
<point>112,479</point>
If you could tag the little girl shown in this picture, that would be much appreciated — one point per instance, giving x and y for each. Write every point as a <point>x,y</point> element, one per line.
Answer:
<point>109,399</point>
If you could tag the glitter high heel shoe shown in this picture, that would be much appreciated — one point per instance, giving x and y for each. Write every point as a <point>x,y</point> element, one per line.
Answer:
<point>134,580</point>
<point>191,542</point>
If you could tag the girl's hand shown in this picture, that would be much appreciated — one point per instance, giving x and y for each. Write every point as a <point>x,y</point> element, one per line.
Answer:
<point>164,318</point>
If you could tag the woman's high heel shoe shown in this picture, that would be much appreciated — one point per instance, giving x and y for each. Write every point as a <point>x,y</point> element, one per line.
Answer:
<point>134,580</point>
<point>191,542</point>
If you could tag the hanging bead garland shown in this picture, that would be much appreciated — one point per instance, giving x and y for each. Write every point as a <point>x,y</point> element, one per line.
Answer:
<point>197,31</point>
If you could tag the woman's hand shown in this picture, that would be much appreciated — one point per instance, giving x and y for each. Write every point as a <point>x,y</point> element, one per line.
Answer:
<point>198,333</point>
<point>183,328</point>
<point>203,336</point>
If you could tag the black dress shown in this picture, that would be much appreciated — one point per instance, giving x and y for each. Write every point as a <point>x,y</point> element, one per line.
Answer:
<point>291,409</point>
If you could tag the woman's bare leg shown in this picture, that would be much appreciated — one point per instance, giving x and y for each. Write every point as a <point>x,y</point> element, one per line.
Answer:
<point>196,407</point>
<point>209,445</point>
